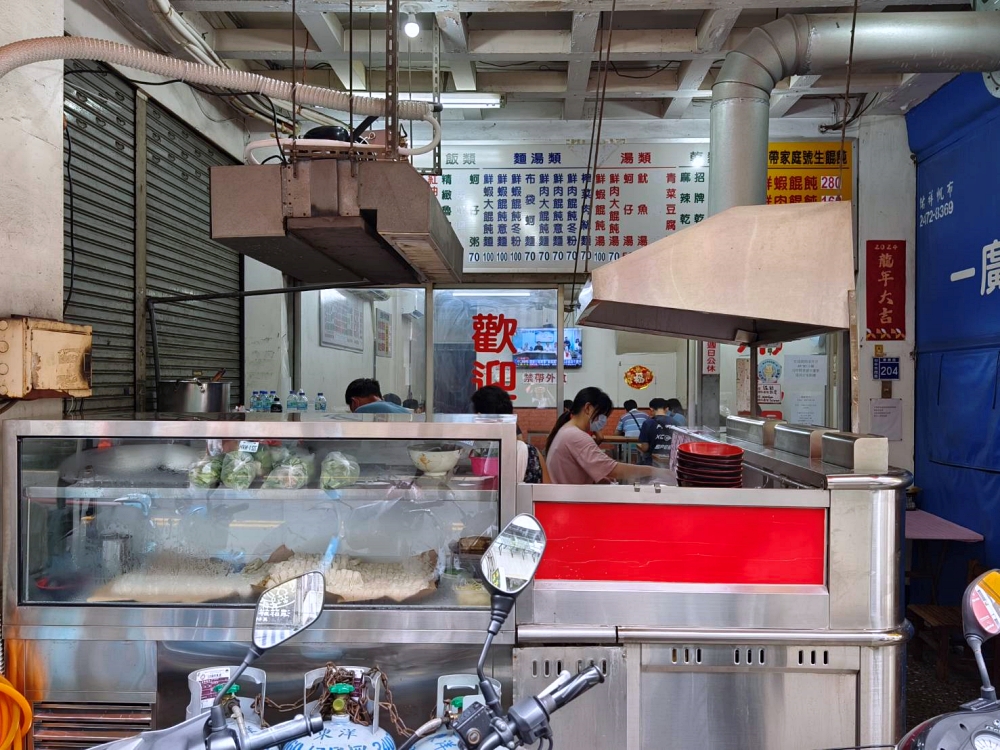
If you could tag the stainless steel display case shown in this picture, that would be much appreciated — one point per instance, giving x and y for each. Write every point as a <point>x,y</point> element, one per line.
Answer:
<point>73,652</point>
<point>736,665</point>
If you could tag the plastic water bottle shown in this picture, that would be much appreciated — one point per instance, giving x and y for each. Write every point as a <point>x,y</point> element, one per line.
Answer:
<point>255,401</point>
<point>320,403</point>
<point>303,402</point>
<point>266,404</point>
<point>290,402</point>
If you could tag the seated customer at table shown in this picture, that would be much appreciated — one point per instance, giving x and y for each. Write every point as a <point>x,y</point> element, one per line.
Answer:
<point>573,456</point>
<point>631,421</point>
<point>655,436</point>
<point>676,412</point>
<point>364,396</point>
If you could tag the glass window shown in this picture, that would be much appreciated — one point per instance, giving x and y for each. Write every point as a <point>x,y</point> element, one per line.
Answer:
<point>340,335</point>
<point>792,378</point>
<point>187,522</point>
<point>499,337</point>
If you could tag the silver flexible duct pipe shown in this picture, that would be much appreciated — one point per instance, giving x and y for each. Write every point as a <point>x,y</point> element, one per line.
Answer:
<point>818,44</point>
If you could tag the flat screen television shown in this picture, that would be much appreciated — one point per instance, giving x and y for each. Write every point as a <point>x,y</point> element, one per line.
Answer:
<point>537,348</point>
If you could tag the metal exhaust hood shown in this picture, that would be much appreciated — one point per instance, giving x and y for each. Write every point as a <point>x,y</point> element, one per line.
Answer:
<point>336,221</point>
<point>762,274</point>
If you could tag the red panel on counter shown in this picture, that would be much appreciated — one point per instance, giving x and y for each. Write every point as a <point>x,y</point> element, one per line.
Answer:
<point>682,543</point>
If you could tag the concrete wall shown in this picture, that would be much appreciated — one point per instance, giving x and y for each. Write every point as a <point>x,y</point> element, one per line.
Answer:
<point>31,190</point>
<point>886,211</point>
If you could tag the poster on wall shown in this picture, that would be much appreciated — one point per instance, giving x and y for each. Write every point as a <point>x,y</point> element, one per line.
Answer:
<point>341,321</point>
<point>710,358</point>
<point>524,207</point>
<point>885,290</point>
<point>383,333</point>
<point>805,369</point>
<point>806,408</point>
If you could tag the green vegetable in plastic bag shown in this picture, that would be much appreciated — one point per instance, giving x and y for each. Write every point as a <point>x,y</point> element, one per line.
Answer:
<point>339,470</point>
<point>279,455</point>
<point>239,469</point>
<point>289,476</point>
<point>306,461</point>
<point>205,473</point>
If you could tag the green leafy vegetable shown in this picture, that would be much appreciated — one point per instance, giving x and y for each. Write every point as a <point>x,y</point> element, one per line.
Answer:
<point>205,473</point>
<point>239,469</point>
<point>339,470</point>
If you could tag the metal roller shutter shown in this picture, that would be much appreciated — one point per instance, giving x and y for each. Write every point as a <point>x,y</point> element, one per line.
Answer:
<point>194,337</point>
<point>100,112</point>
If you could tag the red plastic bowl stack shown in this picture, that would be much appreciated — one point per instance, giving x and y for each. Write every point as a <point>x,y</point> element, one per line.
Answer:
<point>709,465</point>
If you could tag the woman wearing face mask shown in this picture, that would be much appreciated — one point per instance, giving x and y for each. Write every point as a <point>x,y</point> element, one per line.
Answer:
<point>574,458</point>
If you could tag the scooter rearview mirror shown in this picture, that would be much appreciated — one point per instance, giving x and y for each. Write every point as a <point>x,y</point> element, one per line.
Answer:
<point>981,621</point>
<point>287,609</point>
<point>514,556</point>
<point>282,612</point>
<point>508,567</point>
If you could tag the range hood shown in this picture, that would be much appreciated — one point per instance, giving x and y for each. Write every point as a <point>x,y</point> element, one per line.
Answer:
<point>750,274</point>
<point>336,221</point>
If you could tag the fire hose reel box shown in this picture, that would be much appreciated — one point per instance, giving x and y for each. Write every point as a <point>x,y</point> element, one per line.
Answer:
<point>44,359</point>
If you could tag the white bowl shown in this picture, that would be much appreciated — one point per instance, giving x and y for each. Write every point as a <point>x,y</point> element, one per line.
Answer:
<point>435,460</point>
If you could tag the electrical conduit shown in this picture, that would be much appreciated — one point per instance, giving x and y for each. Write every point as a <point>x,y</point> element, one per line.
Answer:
<point>29,51</point>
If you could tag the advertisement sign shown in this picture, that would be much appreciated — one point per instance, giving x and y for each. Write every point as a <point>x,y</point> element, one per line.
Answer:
<point>492,334</point>
<point>885,290</point>
<point>524,208</point>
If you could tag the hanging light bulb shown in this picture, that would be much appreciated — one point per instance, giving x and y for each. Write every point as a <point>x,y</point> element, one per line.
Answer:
<point>411,28</point>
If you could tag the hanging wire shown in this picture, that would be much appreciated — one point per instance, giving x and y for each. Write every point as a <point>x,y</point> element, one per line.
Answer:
<point>841,157</point>
<point>295,129</point>
<point>350,74</point>
<point>603,67</point>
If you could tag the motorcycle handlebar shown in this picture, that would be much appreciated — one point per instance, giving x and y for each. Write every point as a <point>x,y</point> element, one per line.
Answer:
<point>279,734</point>
<point>579,685</point>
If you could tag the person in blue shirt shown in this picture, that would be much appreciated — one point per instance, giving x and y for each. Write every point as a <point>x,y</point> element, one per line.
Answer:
<point>631,422</point>
<point>676,412</point>
<point>364,396</point>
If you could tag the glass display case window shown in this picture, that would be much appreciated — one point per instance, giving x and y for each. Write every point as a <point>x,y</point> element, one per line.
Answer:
<point>390,522</point>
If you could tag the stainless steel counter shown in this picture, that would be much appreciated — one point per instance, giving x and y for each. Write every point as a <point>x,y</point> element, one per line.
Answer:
<point>725,663</point>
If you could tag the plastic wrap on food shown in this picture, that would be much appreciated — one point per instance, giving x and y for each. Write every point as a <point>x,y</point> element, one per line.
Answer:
<point>287,477</point>
<point>206,473</point>
<point>339,470</point>
<point>239,469</point>
<point>301,459</point>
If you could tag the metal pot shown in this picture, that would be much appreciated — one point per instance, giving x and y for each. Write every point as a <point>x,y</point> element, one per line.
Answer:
<point>193,397</point>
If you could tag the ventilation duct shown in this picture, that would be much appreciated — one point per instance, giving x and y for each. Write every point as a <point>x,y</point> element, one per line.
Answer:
<point>714,280</point>
<point>718,279</point>
<point>814,45</point>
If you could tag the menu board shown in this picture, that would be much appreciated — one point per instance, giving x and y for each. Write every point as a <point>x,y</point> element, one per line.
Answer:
<point>524,208</point>
<point>341,320</point>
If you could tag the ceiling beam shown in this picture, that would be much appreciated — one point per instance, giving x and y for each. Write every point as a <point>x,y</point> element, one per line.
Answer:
<point>712,34</point>
<point>781,103</point>
<point>327,33</point>
<point>583,35</point>
<point>914,88</point>
<point>454,28</point>
<point>526,45</point>
<point>513,6</point>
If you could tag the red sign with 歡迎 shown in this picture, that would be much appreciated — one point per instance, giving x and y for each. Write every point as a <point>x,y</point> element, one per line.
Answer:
<point>885,318</point>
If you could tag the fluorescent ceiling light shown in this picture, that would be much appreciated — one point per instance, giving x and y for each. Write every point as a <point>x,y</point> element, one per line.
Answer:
<point>491,294</point>
<point>411,28</point>
<point>450,99</point>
